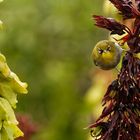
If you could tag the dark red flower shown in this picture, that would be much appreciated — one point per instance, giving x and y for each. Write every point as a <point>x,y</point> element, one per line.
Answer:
<point>110,24</point>
<point>27,126</point>
<point>138,4</point>
<point>126,8</point>
<point>120,118</point>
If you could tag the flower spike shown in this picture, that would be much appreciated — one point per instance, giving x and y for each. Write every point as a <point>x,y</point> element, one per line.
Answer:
<point>120,118</point>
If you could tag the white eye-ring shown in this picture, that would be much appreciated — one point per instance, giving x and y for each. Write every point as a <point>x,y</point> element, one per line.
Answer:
<point>100,51</point>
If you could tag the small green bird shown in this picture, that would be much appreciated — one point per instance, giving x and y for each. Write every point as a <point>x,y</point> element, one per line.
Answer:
<point>106,54</point>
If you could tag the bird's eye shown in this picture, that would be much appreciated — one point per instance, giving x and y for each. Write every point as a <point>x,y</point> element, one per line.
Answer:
<point>100,51</point>
<point>108,48</point>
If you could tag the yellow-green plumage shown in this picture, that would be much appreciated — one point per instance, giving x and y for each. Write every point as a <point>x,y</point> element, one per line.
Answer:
<point>106,54</point>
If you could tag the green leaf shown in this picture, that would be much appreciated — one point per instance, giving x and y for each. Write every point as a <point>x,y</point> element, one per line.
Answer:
<point>17,85</point>
<point>12,131</point>
<point>3,134</point>
<point>7,92</point>
<point>9,129</point>
<point>8,75</point>
<point>10,84</point>
<point>8,112</point>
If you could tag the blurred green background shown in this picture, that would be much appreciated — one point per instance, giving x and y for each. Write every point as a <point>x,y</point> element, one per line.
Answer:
<point>48,44</point>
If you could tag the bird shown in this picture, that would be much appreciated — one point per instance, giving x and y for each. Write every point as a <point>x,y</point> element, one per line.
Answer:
<point>106,54</point>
